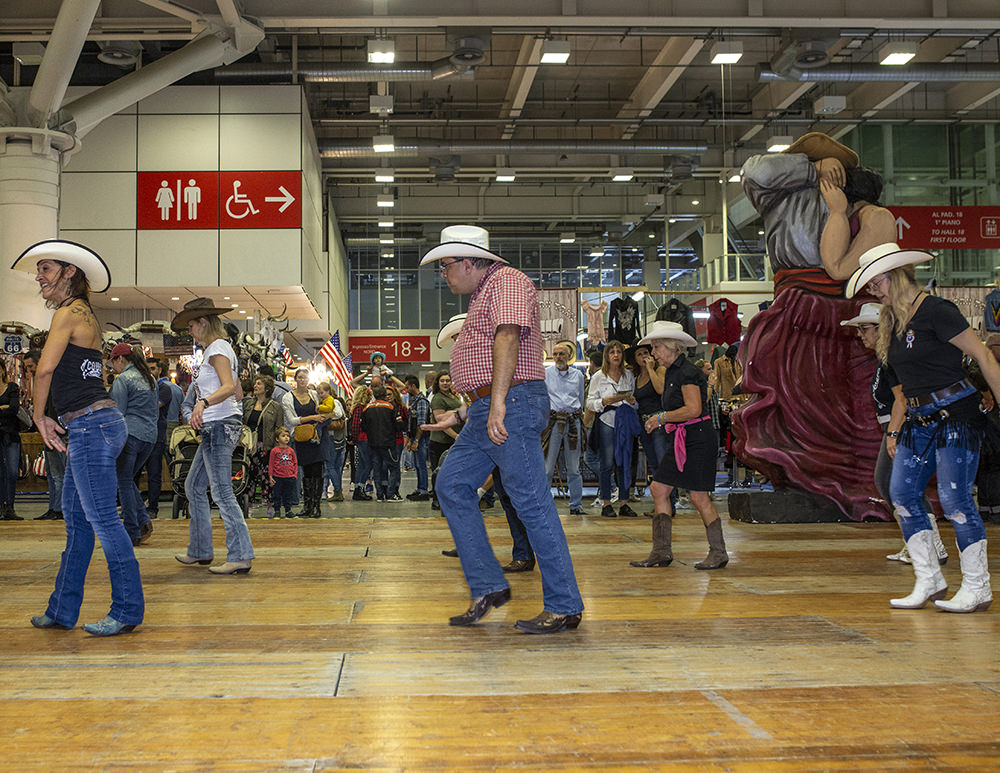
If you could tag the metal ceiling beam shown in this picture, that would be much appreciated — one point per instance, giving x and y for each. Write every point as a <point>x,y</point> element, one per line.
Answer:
<point>666,69</point>
<point>964,97</point>
<point>525,69</point>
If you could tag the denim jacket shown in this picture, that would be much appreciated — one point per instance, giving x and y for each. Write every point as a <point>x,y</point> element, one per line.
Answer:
<point>137,402</point>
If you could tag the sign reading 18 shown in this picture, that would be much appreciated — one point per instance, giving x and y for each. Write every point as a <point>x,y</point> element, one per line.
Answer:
<point>401,348</point>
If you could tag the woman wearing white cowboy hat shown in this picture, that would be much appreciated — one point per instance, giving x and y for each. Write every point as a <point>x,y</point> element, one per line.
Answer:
<point>886,391</point>
<point>689,461</point>
<point>923,339</point>
<point>71,370</point>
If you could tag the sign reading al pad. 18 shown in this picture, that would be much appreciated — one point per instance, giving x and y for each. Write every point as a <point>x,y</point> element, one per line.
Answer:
<point>946,227</point>
<point>395,348</point>
<point>210,200</point>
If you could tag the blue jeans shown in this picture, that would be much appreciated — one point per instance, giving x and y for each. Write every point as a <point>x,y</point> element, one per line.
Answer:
<point>362,463</point>
<point>381,461</point>
<point>334,469</point>
<point>470,461</point>
<point>130,461</point>
<point>608,466</point>
<point>655,446</point>
<point>420,464</point>
<point>213,466</point>
<point>560,439</point>
<point>154,474</point>
<point>394,471</point>
<point>55,471</point>
<point>10,459</point>
<point>283,494</point>
<point>947,450</point>
<point>94,442</point>
<point>521,550</point>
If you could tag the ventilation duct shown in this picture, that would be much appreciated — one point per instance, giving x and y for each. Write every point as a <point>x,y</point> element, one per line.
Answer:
<point>321,72</point>
<point>120,53</point>
<point>414,147</point>
<point>861,73</point>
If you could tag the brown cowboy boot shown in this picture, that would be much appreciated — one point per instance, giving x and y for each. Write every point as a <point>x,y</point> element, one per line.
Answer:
<point>661,554</point>
<point>717,556</point>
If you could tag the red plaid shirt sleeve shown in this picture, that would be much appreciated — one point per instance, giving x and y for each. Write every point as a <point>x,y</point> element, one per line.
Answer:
<point>504,297</point>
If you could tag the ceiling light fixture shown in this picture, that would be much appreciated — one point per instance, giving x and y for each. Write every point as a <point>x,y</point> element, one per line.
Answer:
<point>555,52</point>
<point>385,200</point>
<point>381,51</point>
<point>234,305</point>
<point>734,177</point>
<point>596,252</point>
<point>505,175</point>
<point>622,174</point>
<point>779,143</point>
<point>895,54</point>
<point>695,202</point>
<point>567,238</point>
<point>383,143</point>
<point>638,296</point>
<point>385,223</point>
<point>386,240</point>
<point>727,52</point>
<point>385,176</point>
<point>116,299</point>
<point>175,298</point>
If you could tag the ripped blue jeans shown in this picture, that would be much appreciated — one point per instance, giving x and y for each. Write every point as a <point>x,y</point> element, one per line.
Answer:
<point>952,451</point>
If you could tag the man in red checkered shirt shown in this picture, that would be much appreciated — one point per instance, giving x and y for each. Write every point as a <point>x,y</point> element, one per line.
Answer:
<point>497,364</point>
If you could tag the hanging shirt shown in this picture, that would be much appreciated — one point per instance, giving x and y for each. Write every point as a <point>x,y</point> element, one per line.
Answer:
<point>675,311</point>
<point>596,332</point>
<point>992,320</point>
<point>623,322</point>
<point>724,325</point>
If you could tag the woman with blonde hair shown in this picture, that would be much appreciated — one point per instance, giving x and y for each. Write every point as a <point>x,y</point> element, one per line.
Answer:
<point>362,458</point>
<point>609,387</point>
<point>923,339</point>
<point>218,415</point>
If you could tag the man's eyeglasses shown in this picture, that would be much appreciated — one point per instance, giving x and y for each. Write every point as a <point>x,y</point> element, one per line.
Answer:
<point>446,266</point>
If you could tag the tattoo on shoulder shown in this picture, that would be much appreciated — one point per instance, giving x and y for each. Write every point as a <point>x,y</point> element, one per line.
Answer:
<point>84,315</point>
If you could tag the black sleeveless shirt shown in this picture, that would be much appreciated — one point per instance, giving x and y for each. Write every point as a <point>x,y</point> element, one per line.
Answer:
<point>76,381</point>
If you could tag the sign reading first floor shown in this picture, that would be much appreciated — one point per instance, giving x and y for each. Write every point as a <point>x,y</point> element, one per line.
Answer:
<point>947,228</point>
<point>395,348</point>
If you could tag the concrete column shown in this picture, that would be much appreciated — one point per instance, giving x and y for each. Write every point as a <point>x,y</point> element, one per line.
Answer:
<point>30,163</point>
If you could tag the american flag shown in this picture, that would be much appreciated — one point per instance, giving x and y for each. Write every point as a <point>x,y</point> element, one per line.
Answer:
<point>341,366</point>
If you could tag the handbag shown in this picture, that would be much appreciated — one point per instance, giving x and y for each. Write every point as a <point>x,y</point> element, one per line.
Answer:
<point>38,466</point>
<point>304,433</point>
<point>24,419</point>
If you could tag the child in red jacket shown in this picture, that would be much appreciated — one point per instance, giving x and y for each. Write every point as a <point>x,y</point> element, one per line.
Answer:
<point>283,468</point>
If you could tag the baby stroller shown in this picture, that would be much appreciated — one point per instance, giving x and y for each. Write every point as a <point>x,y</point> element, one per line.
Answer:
<point>183,444</point>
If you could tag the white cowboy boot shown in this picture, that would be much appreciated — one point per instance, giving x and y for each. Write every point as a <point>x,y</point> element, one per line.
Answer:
<point>903,556</point>
<point>975,594</point>
<point>930,584</point>
<point>939,548</point>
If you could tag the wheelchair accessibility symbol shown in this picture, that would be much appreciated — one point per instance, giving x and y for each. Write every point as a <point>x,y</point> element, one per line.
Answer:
<point>242,203</point>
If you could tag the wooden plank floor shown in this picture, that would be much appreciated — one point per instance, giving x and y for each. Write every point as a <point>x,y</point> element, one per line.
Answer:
<point>335,653</point>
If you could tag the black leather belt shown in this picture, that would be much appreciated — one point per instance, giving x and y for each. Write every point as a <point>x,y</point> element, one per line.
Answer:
<point>941,394</point>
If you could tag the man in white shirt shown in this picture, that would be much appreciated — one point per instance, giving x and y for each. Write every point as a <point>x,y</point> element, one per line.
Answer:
<point>565,385</point>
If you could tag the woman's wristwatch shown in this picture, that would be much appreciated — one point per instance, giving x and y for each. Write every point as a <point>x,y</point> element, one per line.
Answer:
<point>893,434</point>
<point>207,403</point>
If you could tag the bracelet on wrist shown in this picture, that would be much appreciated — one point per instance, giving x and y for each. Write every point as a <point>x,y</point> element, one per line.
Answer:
<point>893,434</point>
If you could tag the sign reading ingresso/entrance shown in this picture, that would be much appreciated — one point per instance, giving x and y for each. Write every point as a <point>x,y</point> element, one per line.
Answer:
<point>395,348</point>
<point>173,200</point>
<point>944,227</point>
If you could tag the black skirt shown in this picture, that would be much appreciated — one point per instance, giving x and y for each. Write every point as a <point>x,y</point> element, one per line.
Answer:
<point>702,445</point>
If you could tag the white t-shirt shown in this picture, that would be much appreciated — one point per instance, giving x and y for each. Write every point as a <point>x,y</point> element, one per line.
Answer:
<point>206,381</point>
<point>601,386</point>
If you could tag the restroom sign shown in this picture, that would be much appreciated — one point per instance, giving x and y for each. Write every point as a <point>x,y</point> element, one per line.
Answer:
<point>172,200</point>
<point>212,200</point>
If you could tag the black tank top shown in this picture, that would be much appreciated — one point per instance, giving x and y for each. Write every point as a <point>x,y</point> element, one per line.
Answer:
<point>76,382</point>
<point>648,399</point>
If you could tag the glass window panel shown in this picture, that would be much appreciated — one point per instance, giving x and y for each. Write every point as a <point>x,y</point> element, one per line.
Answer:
<point>409,300</point>
<point>430,309</point>
<point>368,301</point>
<point>388,301</point>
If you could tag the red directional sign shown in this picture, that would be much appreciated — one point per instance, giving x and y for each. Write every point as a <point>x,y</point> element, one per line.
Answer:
<point>177,200</point>
<point>395,348</point>
<point>171,200</point>
<point>260,199</point>
<point>956,228</point>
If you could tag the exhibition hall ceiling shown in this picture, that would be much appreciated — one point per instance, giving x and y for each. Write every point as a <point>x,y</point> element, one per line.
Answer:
<point>468,92</point>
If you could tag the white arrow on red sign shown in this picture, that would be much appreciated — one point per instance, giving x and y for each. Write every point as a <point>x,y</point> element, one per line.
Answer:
<point>420,348</point>
<point>286,197</point>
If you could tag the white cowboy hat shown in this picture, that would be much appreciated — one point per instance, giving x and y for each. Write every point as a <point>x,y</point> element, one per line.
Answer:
<point>661,329</point>
<point>450,328</point>
<point>867,316</point>
<point>878,260</point>
<point>84,258</point>
<point>462,241</point>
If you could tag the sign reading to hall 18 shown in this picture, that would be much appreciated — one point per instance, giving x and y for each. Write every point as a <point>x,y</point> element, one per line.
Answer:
<point>395,348</point>
<point>947,227</point>
<point>172,200</point>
